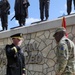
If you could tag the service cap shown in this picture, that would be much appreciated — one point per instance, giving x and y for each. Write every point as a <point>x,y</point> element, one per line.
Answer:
<point>18,35</point>
<point>59,30</point>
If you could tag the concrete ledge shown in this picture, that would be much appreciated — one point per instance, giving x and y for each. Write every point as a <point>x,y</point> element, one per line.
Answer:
<point>70,20</point>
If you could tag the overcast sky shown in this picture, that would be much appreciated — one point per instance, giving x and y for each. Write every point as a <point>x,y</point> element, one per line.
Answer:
<point>57,8</point>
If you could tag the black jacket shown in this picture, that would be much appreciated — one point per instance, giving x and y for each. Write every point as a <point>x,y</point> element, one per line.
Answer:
<point>21,8</point>
<point>4,7</point>
<point>15,60</point>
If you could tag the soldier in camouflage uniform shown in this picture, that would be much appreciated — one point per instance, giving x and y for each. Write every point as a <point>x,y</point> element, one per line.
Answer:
<point>44,9</point>
<point>65,53</point>
<point>4,7</point>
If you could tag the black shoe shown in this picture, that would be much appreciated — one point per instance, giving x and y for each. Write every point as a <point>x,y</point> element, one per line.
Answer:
<point>46,18</point>
<point>2,28</point>
<point>68,13</point>
<point>41,19</point>
<point>6,28</point>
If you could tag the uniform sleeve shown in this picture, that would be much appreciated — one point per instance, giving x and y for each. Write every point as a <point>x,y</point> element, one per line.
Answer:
<point>8,6</point>
<point>26,4</point>
<point>10,51</point>
<point>23,66</point>
<point>62,57</point>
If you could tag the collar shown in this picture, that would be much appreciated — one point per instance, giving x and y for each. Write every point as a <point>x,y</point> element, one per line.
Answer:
<point>63,38</point>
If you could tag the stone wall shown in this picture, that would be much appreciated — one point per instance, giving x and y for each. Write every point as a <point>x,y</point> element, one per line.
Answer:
<point>39,46</point>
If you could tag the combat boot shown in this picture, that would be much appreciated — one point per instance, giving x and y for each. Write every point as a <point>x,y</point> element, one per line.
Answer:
<point>41,19</point>
<point>3,28</point>
<point>46,18</point>
<point>6,27</point>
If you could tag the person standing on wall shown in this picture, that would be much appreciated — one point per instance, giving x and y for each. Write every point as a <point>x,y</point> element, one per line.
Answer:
<point>65,53</point>
<point>4,8</point>
<point>21,11</point>
<point>15,56</point>
<point>69,6</point>
<point>44,9</point>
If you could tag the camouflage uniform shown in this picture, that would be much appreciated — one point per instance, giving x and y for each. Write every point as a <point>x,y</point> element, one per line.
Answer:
<point>65,56</point>
<point>44,5</point>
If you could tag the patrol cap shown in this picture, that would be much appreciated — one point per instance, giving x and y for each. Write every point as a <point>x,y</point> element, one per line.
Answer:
<point>18,35</point>
<point>59,30</point>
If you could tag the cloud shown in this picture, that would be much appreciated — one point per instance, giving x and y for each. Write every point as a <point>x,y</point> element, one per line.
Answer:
<point>28,22</point>
<point>64,9</point>
<point>65,6</point>
<point>31,20</point>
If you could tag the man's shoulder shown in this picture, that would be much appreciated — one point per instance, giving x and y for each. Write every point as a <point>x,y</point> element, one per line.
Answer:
<point>64,41</point>
<point>9,45</point>
<point>69,42</point>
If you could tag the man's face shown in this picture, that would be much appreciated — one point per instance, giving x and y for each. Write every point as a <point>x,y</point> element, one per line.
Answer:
<point>58,36</point>
<point>17,41</point>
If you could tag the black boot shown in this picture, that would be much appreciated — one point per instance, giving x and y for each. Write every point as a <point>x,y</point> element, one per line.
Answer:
<point>46,18</point>
<point>24,22</point>
<point>6,27</point>
<point>20,23</point>
<point>3,28</point>
<point>41,19</point>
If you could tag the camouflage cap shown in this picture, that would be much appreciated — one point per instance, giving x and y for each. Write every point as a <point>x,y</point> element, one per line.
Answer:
<point>59,29</point>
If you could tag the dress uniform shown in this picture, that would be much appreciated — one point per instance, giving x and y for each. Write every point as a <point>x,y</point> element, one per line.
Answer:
<point>44,9</point>
<point>65,54</point>
<point>15,58</point>
<point>4,7</point>
<point>21,11</point>
<point>69,6</point>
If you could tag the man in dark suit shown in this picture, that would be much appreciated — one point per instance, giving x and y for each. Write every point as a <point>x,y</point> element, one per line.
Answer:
<point>4,8</point>
<point>15,57</point>
<point>44,9</point>
<point>69,6</point>
<point>21,11</point>
<point>74,4</point>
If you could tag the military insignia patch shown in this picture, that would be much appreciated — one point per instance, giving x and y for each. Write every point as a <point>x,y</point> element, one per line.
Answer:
<point>62,48</point>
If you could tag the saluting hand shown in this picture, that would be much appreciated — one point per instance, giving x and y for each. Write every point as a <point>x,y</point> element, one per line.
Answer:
<point>58,74</point>
<point>23,74</point>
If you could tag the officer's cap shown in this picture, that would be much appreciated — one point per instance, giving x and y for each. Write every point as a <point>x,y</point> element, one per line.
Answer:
<point>18,36</point>
<point>59,30</point>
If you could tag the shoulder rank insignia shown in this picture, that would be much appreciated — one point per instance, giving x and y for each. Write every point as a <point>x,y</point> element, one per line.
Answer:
<point>61,48</point>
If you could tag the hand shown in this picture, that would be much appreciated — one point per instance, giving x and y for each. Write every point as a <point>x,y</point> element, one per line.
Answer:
<point>23,74</point>
<point>58,74</point>
<point>4,11</point>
